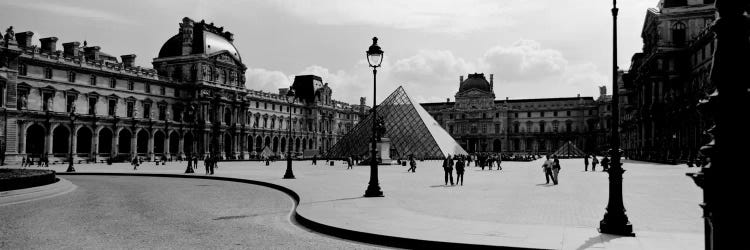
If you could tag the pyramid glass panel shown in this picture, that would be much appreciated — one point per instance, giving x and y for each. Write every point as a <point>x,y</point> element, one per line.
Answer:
<point>409,127</point>
<point>569,150</point>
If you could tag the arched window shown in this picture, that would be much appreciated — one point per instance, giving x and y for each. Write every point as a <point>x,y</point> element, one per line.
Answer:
<point>678,33</point>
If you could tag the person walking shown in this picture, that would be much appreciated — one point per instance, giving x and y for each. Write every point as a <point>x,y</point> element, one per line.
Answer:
<point>586,163</point>
<point>547,169</point>
<point>555,169</point>
<point>23,162</point>
<point>315,160</point>
<point>412,164</point>
<point>206,165</point>
<point>349,162</point>
<point>594,161</point>
<point>135,163</point>
<point>605,164</point>
<point>448,168</point>
<point>460,171</point>
<point>213,164</point>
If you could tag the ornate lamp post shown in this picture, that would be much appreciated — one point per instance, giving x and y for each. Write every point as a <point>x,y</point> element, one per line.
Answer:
<point>70,143</point>
<point>374,58</point>
<point>290,97</point>
<point>615,220</point>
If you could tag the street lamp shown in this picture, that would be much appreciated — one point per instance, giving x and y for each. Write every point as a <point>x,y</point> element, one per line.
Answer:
<point>374,58</point>
<point>290,97</point>
<point>70,143</point>
<point>615,220</point>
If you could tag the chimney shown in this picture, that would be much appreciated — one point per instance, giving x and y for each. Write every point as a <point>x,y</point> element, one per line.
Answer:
<point>186,31</point>
<point>447,99</point>
<point>579,96</point>
<point>49,44</point>
<point>24,39</point>
<point>71,49</point>
<point>362,101</point>
<point>128,61</point>
<point>460,80</point>
<point>91,53</point>
<point>492,81</point>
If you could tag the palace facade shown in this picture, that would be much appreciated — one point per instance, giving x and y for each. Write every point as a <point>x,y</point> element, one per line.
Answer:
<point>480,123</point>
<point>660,121</point>
<point>194,101</point>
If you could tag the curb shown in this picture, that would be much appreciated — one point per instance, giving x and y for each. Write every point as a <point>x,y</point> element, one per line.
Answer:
<point>61,186</point>
<point>364,237</point>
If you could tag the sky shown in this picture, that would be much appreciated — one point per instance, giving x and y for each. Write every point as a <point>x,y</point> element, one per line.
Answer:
<point>535,49</point>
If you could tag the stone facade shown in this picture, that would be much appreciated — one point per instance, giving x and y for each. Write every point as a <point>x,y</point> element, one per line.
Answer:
<point>523,126</point>
<point>193,102</point>
<point>660,121</point>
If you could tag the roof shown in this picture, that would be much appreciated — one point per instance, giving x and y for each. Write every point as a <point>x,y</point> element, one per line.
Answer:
<point>519,100</point>
<point>475,81</point>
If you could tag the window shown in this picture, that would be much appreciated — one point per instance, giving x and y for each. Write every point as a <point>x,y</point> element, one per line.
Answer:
<point>162,91</point>
<point>678,34</point>
<point>257,105</point>
<point>542,124</point>
<point>92,80</point>
<point>23,98</point>
<point>147,110</point>
<point>71,76</point>
<point>92,105</point>
<point>176,93</point>
<point>70,103</point>
<point>112,82</point>
<point>567,113</point>
<point>162,112</point>
<point>555,126</point>
<point>112,107</point>
<point>568,127</point>
<point>265,105</point>
<point>516,115</point>
<point>450,116</point>
<point>130,109</point>
<point>497,128</point>
<point>273,106</point>
<point>450,129</point>
<point>541,114</point>
<point>484,116</point>
<point>517,127</point>
<point>463,116</point>
<point>147,87</point>
<point>131,85</point>
<point>554,114</point>
<point>497,115</point>
<point>22,69</point>
<point>48,73</point>
<point>47,97</point>
<point>484,128</point>
<point>528,114</point>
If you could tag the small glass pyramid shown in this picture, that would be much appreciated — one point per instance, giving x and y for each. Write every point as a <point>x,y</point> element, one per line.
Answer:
<point>569,150</point>
<point>409,127</point>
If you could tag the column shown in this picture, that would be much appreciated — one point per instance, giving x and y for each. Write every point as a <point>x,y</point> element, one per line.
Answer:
<point>21,140</point>
<point>167,153</point>
<point>48,142</point>
<point>181,146</point>
<point>74,138</point>
<point>150,146</point>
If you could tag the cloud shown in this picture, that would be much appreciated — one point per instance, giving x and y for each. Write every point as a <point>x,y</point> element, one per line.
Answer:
<point>266,80</point>
<point>525,60</point>
<point>423,15</point>
<point>73,11</point>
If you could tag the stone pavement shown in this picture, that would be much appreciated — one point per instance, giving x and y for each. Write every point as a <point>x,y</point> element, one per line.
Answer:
<point>512,207</point>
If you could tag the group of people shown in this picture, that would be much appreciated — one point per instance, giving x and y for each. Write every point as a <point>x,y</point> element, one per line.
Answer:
<point>551,169</point>
<point>594,161</point>
<point>460,165</point>
<point>43,161</point>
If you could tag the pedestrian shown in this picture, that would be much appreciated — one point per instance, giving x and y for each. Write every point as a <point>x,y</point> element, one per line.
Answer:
<point>586,163</point>
<point>555,169</point>
<point>448,168</point>
<point>315,160</point>
<point>23,162</point>
<point>594,161</point>
<point>499,161</point>
<point>206,165</point>
<point>46,162</point>
<point>214,160</point>
<point>195,160</point>
<point>460,171</point>
<point>547,169</point>
<point>134,162</point>
<point>412,164</point>
<point>349,162</point>
<point>268,162</point>
<point>605,164</point>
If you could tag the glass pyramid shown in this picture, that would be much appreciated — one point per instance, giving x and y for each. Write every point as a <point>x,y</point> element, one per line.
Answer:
<point>409,127</point>
<point>569,150</point>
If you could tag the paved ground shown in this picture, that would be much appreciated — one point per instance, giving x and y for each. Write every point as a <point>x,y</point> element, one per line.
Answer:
<point>107,212</point>
<point>511,207</point>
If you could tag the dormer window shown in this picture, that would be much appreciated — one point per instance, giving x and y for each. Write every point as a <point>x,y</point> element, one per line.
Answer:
<point>147,87</point>
<point>131,85</point>
<point>48,73</point>
<point>22,69</point>
<point>71,76</point>
<point>112,82</point>
<point>92,80</point>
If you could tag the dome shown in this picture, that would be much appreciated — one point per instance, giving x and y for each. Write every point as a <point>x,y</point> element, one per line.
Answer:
<point>212,43</point>
<point>475,81</point>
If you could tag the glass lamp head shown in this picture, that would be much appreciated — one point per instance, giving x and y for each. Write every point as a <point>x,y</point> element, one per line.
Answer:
<point>374,54</point>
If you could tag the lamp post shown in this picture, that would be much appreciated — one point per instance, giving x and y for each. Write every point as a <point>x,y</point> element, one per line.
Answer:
<point>70,143</point>
<point>290,97</point>
<point>374,58</point>
<point>615,220</point>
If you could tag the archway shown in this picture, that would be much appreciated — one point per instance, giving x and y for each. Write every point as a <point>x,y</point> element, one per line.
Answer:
<point>142,142</point>
<point>258,144</point>
<point>123,141</point>
<point>304,144</point>
<point>267,142</point>
<point>159,142</point>
<point>105,142</point>
<point>310,144</point>
<point>496,145</point>
<point>60,141</point>
<point>275,144</point>
<point>283,145</point>
<point>250,143</point>
<point>187,143</point>
<point>174,143</point>
<point>83,141</point>
<point>35,140</point>
<point>296,146</point>
<point>228,145</point>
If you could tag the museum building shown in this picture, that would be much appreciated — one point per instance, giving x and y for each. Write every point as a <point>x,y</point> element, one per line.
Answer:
<point>480,123</point>
<point>194,101</point>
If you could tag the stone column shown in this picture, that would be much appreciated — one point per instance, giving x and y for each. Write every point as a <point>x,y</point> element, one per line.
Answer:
<point>150,146</point>
<point>167,153</point>
<point>21,140</point>
<point>74,137</point>
<point>181,146</point>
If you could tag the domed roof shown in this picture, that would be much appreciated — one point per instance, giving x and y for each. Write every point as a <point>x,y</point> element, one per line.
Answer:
<point>475,81</point>
<point>210,42</point>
